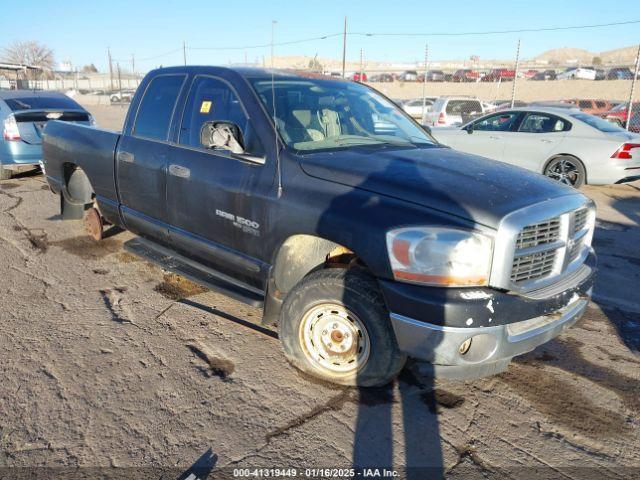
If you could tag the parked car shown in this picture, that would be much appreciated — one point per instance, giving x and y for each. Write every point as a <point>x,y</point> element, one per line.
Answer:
<point>570,146</point>
<point>466,75</point>
<point>618,114</point>
<point>393,245</point>
<point>23,115</point>
<point>414,109</point>
<point>546,75</point>
<point>359,77</point>
<point>499,74</point>
<point>121,96</point>
<point>619,73</point>
<point>382,78</point>
<point>408,76</point>
<point>528,74</point>
<point>435,76</point>
<point>594,107</point>
<point>504,105</point>
<point>447,111</point>
<point>581,73</point>
<point>554,104</point>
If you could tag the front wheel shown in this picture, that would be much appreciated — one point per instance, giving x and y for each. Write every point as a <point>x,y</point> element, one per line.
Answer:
<point>334,325</point>
<point>567,170</point>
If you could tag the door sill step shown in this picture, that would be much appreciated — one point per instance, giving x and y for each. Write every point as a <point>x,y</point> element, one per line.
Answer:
<point>207,277</point>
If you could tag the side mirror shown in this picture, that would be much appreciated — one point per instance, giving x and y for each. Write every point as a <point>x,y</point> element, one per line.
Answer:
<point>427,129</point>
<point>226,135</point>
<point>469,128</point>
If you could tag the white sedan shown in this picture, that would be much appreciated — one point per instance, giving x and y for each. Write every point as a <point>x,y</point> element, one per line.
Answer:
<point>564,144</point>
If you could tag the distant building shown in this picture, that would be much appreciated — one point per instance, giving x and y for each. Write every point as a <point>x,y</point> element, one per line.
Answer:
<point>65,66</point>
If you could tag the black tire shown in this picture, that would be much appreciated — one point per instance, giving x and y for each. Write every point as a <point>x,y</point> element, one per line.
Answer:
<point>566,169</point>
<point>359,295</point>
<point>5,173</point>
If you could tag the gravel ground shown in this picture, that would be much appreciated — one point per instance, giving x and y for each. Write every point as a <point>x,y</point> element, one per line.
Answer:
<point>107,361</point>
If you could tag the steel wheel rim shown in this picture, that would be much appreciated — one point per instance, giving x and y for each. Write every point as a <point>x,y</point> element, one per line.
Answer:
<point>564,171</point>
<point>334,339</point>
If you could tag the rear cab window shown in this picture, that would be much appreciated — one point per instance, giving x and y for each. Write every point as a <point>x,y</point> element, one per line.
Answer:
<point>157,106</point>
<point>459,107</point>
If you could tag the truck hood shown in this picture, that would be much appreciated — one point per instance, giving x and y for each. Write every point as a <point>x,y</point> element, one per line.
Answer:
<point>439,178</point>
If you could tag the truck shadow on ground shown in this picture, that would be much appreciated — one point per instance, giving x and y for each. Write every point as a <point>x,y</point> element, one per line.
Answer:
<point>374,445</point>
<point>613,264</point>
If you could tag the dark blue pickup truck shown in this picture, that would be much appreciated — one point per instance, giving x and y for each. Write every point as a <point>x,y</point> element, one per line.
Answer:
<point>318,199</point>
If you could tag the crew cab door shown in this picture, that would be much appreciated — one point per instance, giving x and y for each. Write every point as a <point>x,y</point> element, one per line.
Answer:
<point>142,156</point>
<point>537,138</point>
<point>217,200</point>
<point>488,135</point>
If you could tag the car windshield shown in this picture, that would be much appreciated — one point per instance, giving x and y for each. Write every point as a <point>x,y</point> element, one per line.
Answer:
<point>314,115</point>
<point>37,103</point>
<point>598,123</point>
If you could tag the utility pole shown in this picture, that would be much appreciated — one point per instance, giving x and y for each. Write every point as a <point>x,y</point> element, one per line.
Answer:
<point>344,46</point>
<point>273,37</point>
<point>633,88</point>
<point>184,52</point>
<point>110,68</point>
<point>133,65</point>
<point>515,77</point>
<point>424,83</point>
<point>119,80</point>
<point>361,68</point>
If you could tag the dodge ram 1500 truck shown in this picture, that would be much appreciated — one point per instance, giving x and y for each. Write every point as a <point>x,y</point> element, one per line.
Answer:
<point>319,200</point>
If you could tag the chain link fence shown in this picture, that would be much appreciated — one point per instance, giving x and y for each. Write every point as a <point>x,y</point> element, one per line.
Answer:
<point>435,92</point>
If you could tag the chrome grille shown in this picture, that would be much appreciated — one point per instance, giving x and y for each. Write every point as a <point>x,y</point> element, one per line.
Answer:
<point>544,249</point>
<point>580,220</point>
<point>535,265</point>
<point>539,234</point>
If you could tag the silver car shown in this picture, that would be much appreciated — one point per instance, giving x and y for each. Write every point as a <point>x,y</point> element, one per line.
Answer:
<point>567,145</point>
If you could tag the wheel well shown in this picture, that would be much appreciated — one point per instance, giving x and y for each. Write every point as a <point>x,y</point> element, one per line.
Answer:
<point>77,189</point>
<point>301,254</point>
<point>558,155</point>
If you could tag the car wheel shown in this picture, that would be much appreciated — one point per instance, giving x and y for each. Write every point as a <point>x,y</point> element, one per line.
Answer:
<point>334,325</point>
<point>568,170</point>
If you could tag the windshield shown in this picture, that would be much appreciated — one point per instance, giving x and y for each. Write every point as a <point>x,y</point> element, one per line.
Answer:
<point>598,123</point>
<point>314,115</point>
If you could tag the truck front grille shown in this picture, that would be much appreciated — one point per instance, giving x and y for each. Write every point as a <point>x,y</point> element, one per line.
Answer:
<point>533,266</point>
<point>539,234</point>
<point>545,249</point>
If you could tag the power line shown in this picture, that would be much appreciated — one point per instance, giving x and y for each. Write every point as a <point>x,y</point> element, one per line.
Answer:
<point>388,34</point>
<point>490,32</point>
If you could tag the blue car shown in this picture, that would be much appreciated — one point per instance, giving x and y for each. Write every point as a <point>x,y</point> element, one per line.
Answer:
<point>23,116</point>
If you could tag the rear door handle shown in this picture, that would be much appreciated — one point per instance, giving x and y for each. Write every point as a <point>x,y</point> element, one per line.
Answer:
<point>494,138</point>
<point>179,171</point>
<point>544,140</point>
<point>126,157</point>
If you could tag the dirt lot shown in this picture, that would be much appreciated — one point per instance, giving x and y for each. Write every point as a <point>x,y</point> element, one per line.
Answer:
<point>107,361</point>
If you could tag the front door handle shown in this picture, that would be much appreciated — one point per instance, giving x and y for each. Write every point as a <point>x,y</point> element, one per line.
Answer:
<point>546,141</point>
<point>494,138</point>
<point>126,157</point>
<point>179,171</point>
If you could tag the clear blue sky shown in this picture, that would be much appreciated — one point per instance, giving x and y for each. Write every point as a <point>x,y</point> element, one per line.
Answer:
<point>82,30</point>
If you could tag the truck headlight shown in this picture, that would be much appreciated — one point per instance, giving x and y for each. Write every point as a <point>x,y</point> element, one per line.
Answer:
<point>440,256</point>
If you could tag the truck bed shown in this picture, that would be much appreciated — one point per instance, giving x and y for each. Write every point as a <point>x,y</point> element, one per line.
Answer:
<point>90,148</point>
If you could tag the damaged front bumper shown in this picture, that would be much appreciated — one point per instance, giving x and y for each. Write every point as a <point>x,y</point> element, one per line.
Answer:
<point>476,333</point>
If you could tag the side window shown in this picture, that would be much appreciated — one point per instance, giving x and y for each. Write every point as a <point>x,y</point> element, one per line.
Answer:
<point>543,123</point>
<point>211,99</point>
<point>156,107</point>
<point>501,122</point>
<point>600,104</point>
<point>462,107</point>
<point>584,104</point>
